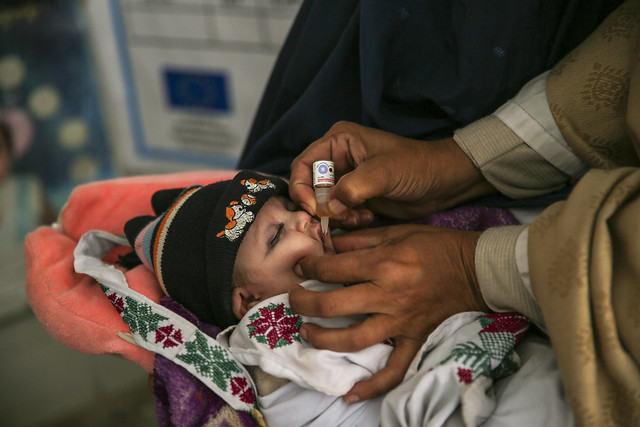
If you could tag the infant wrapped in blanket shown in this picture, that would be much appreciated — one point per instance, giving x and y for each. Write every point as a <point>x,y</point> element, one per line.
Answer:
<point>241,239</point>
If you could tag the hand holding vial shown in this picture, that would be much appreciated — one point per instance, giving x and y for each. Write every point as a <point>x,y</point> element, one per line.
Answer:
<point>323,181</point>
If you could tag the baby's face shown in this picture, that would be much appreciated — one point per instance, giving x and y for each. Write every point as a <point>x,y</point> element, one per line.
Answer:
<point>280,236</point>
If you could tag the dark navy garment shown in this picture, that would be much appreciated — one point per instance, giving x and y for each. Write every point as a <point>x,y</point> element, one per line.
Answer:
<point>418,68</point>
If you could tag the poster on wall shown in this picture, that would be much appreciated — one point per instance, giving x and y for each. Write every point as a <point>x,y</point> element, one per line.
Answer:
<point>181,79</point>
<point>49,104</point>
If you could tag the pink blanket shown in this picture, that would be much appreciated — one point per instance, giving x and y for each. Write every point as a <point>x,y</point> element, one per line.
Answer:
<point>70,306</point>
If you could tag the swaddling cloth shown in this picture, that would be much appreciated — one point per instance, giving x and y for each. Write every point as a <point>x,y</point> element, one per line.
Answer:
<point>269,336</point>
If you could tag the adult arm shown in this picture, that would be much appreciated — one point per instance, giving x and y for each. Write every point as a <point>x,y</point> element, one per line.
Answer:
<point>395,176</point>
<point>587,97</point>
<point>487,247</point>
<point>367,160</point>
<point>519,148</point>
<point>583,253</point>
<point>585,275</point>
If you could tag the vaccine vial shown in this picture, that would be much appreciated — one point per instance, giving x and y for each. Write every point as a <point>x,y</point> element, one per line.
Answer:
<point>323,180</point>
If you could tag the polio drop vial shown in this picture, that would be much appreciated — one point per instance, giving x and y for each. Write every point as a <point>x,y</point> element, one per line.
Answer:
<point>323,180</point>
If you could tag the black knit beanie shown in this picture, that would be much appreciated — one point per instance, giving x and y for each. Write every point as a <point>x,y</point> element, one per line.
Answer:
<point>192,243</point>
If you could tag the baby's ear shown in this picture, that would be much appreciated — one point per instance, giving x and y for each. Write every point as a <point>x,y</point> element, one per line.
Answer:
<point>240,300</point>
<point>163,199</point>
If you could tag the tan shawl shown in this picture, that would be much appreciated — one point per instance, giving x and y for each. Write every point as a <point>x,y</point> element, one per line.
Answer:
<point>584,254</point>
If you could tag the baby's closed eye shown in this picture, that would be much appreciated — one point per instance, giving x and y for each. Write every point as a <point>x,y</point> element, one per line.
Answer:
<point>276,237</point>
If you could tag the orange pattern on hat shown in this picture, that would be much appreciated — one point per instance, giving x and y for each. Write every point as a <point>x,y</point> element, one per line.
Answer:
<point>238,217</point>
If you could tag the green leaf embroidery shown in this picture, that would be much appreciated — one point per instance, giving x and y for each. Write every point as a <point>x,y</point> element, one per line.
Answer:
<point>140,317</point>
<point>509,365</point>
<point>498,344</point>
<point>472,355</point>
<point>210,362</point>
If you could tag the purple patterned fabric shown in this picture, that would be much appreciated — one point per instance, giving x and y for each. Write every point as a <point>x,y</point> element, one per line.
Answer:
<point>182,400</point>
<point>472,218</point>
<point>477,218</point>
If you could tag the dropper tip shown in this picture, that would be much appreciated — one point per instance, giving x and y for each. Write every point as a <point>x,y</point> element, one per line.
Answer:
<point>324,224</point>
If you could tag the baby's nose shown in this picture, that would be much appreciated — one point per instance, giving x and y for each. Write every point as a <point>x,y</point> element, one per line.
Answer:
<point>302,221</point>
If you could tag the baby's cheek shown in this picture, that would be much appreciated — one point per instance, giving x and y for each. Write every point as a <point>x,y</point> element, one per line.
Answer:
<point>305,248</point>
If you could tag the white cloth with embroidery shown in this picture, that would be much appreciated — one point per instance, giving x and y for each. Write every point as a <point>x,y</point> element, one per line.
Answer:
<point>268,336</point>
<point>468,374</point>
<point>451,380</point>
<point>533,396</point>
<point>465,374</point>
<point>162,331</point>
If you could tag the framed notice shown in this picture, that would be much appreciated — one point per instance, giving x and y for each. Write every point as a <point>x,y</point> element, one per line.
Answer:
<point>181,79</point>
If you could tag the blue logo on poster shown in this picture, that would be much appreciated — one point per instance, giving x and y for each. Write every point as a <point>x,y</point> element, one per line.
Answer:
<point>188,89</point>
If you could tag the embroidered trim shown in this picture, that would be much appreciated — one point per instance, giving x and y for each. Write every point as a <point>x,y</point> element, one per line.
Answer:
<point>492,353</point>
<point>162,331</point>
<point>275,325</point>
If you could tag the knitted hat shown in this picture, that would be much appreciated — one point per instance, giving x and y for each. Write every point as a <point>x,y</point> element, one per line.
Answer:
<point>192,243</point>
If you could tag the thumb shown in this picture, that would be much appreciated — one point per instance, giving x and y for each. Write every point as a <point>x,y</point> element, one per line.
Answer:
<point>367,181</point>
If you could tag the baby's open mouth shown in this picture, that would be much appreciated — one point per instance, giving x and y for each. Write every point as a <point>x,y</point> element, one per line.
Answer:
<point>327,243</point>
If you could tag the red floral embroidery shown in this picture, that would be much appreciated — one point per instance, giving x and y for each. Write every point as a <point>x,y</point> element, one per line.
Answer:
<point>512,323</point>
<point>465,375</point>
<point>275,325</point>
<point>168,336</point>
<point>240,387</point>
<point>118,302</point>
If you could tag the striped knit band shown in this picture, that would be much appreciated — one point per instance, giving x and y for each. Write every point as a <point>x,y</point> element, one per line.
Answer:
<point>161,232</point>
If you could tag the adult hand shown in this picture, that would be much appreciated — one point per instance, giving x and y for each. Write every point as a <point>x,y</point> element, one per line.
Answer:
<point>407,279</point>
<point>398,177</point>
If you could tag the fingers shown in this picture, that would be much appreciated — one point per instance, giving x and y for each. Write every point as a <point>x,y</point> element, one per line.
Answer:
<point>352,218</point>
<point>302,194</point>
<point>300,181</point>
<point>356,299</point>
<point>329,147</point>
<point>354,241</point>
<point>347,267</point>
<point>359,253</point>
<point>369,180</point>
<point>372,238</point>
<point>372,330</point>
<point>390,376</point>
<point>342,144</point>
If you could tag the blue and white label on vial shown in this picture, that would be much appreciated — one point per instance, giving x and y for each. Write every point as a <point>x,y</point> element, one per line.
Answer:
<point>323,173</point>
<point>198,90</point>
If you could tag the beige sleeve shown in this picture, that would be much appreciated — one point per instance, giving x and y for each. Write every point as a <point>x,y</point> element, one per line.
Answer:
<point>499,279</point>
<point>510,165</point>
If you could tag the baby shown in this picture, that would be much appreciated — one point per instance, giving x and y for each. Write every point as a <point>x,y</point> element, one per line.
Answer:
<point>220,249</point>
<point>227,252</point>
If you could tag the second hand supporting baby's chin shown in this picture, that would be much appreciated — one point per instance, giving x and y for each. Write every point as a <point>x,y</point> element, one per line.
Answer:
<point>327,246</point>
